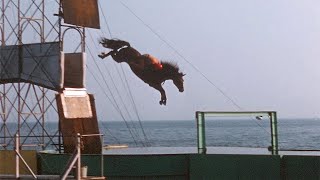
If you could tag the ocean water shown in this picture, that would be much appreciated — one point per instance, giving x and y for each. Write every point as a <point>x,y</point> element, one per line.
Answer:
<point>292,133</point>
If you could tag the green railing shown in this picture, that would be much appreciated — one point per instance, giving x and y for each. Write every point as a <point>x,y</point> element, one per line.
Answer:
<point>201,115</point>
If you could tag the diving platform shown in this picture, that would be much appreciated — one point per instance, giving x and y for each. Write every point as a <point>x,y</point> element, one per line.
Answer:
<point>77,114</point>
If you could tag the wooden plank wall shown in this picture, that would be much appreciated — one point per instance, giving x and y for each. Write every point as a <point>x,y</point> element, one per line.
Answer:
<point>78,115</point>
<point>8,162</point>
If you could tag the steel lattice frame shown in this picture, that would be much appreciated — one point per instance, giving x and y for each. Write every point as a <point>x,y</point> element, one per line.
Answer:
<point>26,109</point>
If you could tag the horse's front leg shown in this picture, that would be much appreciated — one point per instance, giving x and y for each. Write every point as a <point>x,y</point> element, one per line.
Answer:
<point>104,55</point>
<point>117,57</point>
<point>163,100</point>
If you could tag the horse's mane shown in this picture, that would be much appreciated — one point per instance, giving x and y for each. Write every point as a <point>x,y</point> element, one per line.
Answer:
<point>170,67</point>
<point>114,43</point>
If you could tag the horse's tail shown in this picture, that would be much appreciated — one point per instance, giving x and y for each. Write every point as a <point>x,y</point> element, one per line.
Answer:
<point>114,43</point>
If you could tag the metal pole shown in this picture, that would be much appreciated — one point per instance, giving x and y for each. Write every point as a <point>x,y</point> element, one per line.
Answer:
<point>42,29</point>
<point>4,111</point>
<point>274,133</point>
<point>3,29</point>
<point>3,97</point>
<point>25,163</point>
<point>42,117</point>
<point>83,40</point>
<point>17,157</point>
<point>102,160</point>
<point>70,164</point>
<point>79,156</point>
<point>43,91</point>
<point>61,49</point>
<point>60,26</point>
<point>201,133</point>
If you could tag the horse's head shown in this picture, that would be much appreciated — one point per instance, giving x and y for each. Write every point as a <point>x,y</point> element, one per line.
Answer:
<point>113,43</point>
<point>171,71</point>
<point>178,81</point>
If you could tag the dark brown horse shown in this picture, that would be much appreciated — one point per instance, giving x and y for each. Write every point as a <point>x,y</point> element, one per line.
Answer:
<point>146,67</point>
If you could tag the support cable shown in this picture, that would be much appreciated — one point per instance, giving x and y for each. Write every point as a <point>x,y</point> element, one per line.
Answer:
<point>136,110</point>
<point>186,60</point>
<point>113,83</point>
<point>117,92</point>
<point>126,82</point>
<point>113,101</point>
<point>181,56</point>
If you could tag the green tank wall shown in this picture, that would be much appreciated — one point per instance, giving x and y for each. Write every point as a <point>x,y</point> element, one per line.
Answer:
<point>52,164</point>
<point>140,167</point>
<point>117,167</point>
<point>175,167</point>
<point>246,167</point>
<point>301,167</point>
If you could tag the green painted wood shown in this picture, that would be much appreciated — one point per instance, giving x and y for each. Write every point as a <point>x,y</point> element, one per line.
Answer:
<point>55,163</point>
<point>146,165</point>
<point>151,166</point>
<point>146,178</point>
<point>301,167</point>
<point>237,167</point>
<point>93,162</point>
<point>52,164</point>
<point>175,167</point>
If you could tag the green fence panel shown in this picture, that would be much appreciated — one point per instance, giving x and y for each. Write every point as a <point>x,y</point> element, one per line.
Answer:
<point>55,163</point>
<point>158,167</point>
<point>179,167</point>
<point>146,178</point>
<point>146,165</point>
<point>301,167</point>
<point>52,164</point>
<point>93,162</point>
<point>237,167</point>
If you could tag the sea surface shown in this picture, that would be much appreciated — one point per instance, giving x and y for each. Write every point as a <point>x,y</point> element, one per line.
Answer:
<point>303,134</point>
<point>292,133</point>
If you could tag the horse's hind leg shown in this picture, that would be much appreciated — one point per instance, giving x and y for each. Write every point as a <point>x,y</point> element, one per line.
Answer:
<point>163,100</point>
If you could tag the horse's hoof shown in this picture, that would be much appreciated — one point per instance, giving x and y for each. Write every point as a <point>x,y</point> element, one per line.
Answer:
<point>163,102</point>
<point>101,56</point>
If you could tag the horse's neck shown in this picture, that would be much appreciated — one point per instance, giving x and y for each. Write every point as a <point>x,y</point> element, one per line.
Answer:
<point>168,73</point>
<point>131,52</point>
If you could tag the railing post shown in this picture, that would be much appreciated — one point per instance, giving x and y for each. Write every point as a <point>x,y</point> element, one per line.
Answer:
<point>102,160</point>
<point>274,133</point>
<point>17,144</point>
<point>201,133</point>
<point>79,156</point>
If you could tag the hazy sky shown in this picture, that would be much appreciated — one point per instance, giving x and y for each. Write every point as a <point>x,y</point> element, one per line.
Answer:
<point>263,54</point>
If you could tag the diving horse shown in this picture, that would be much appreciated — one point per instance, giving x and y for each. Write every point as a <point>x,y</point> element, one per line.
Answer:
<point>148,68</point>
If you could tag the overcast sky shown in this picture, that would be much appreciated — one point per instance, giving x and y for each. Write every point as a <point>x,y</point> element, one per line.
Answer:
<point>264,55</point>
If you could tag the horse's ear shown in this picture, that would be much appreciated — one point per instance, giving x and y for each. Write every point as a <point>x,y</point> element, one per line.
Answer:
<point>103,40</point>
<point>182,74</point>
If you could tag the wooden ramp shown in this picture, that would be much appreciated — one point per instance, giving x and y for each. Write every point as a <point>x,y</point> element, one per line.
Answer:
<point>77,114</point>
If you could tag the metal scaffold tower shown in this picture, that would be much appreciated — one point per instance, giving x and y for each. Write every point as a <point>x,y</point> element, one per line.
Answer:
<point>34,67</point>
<point>26,107</point>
